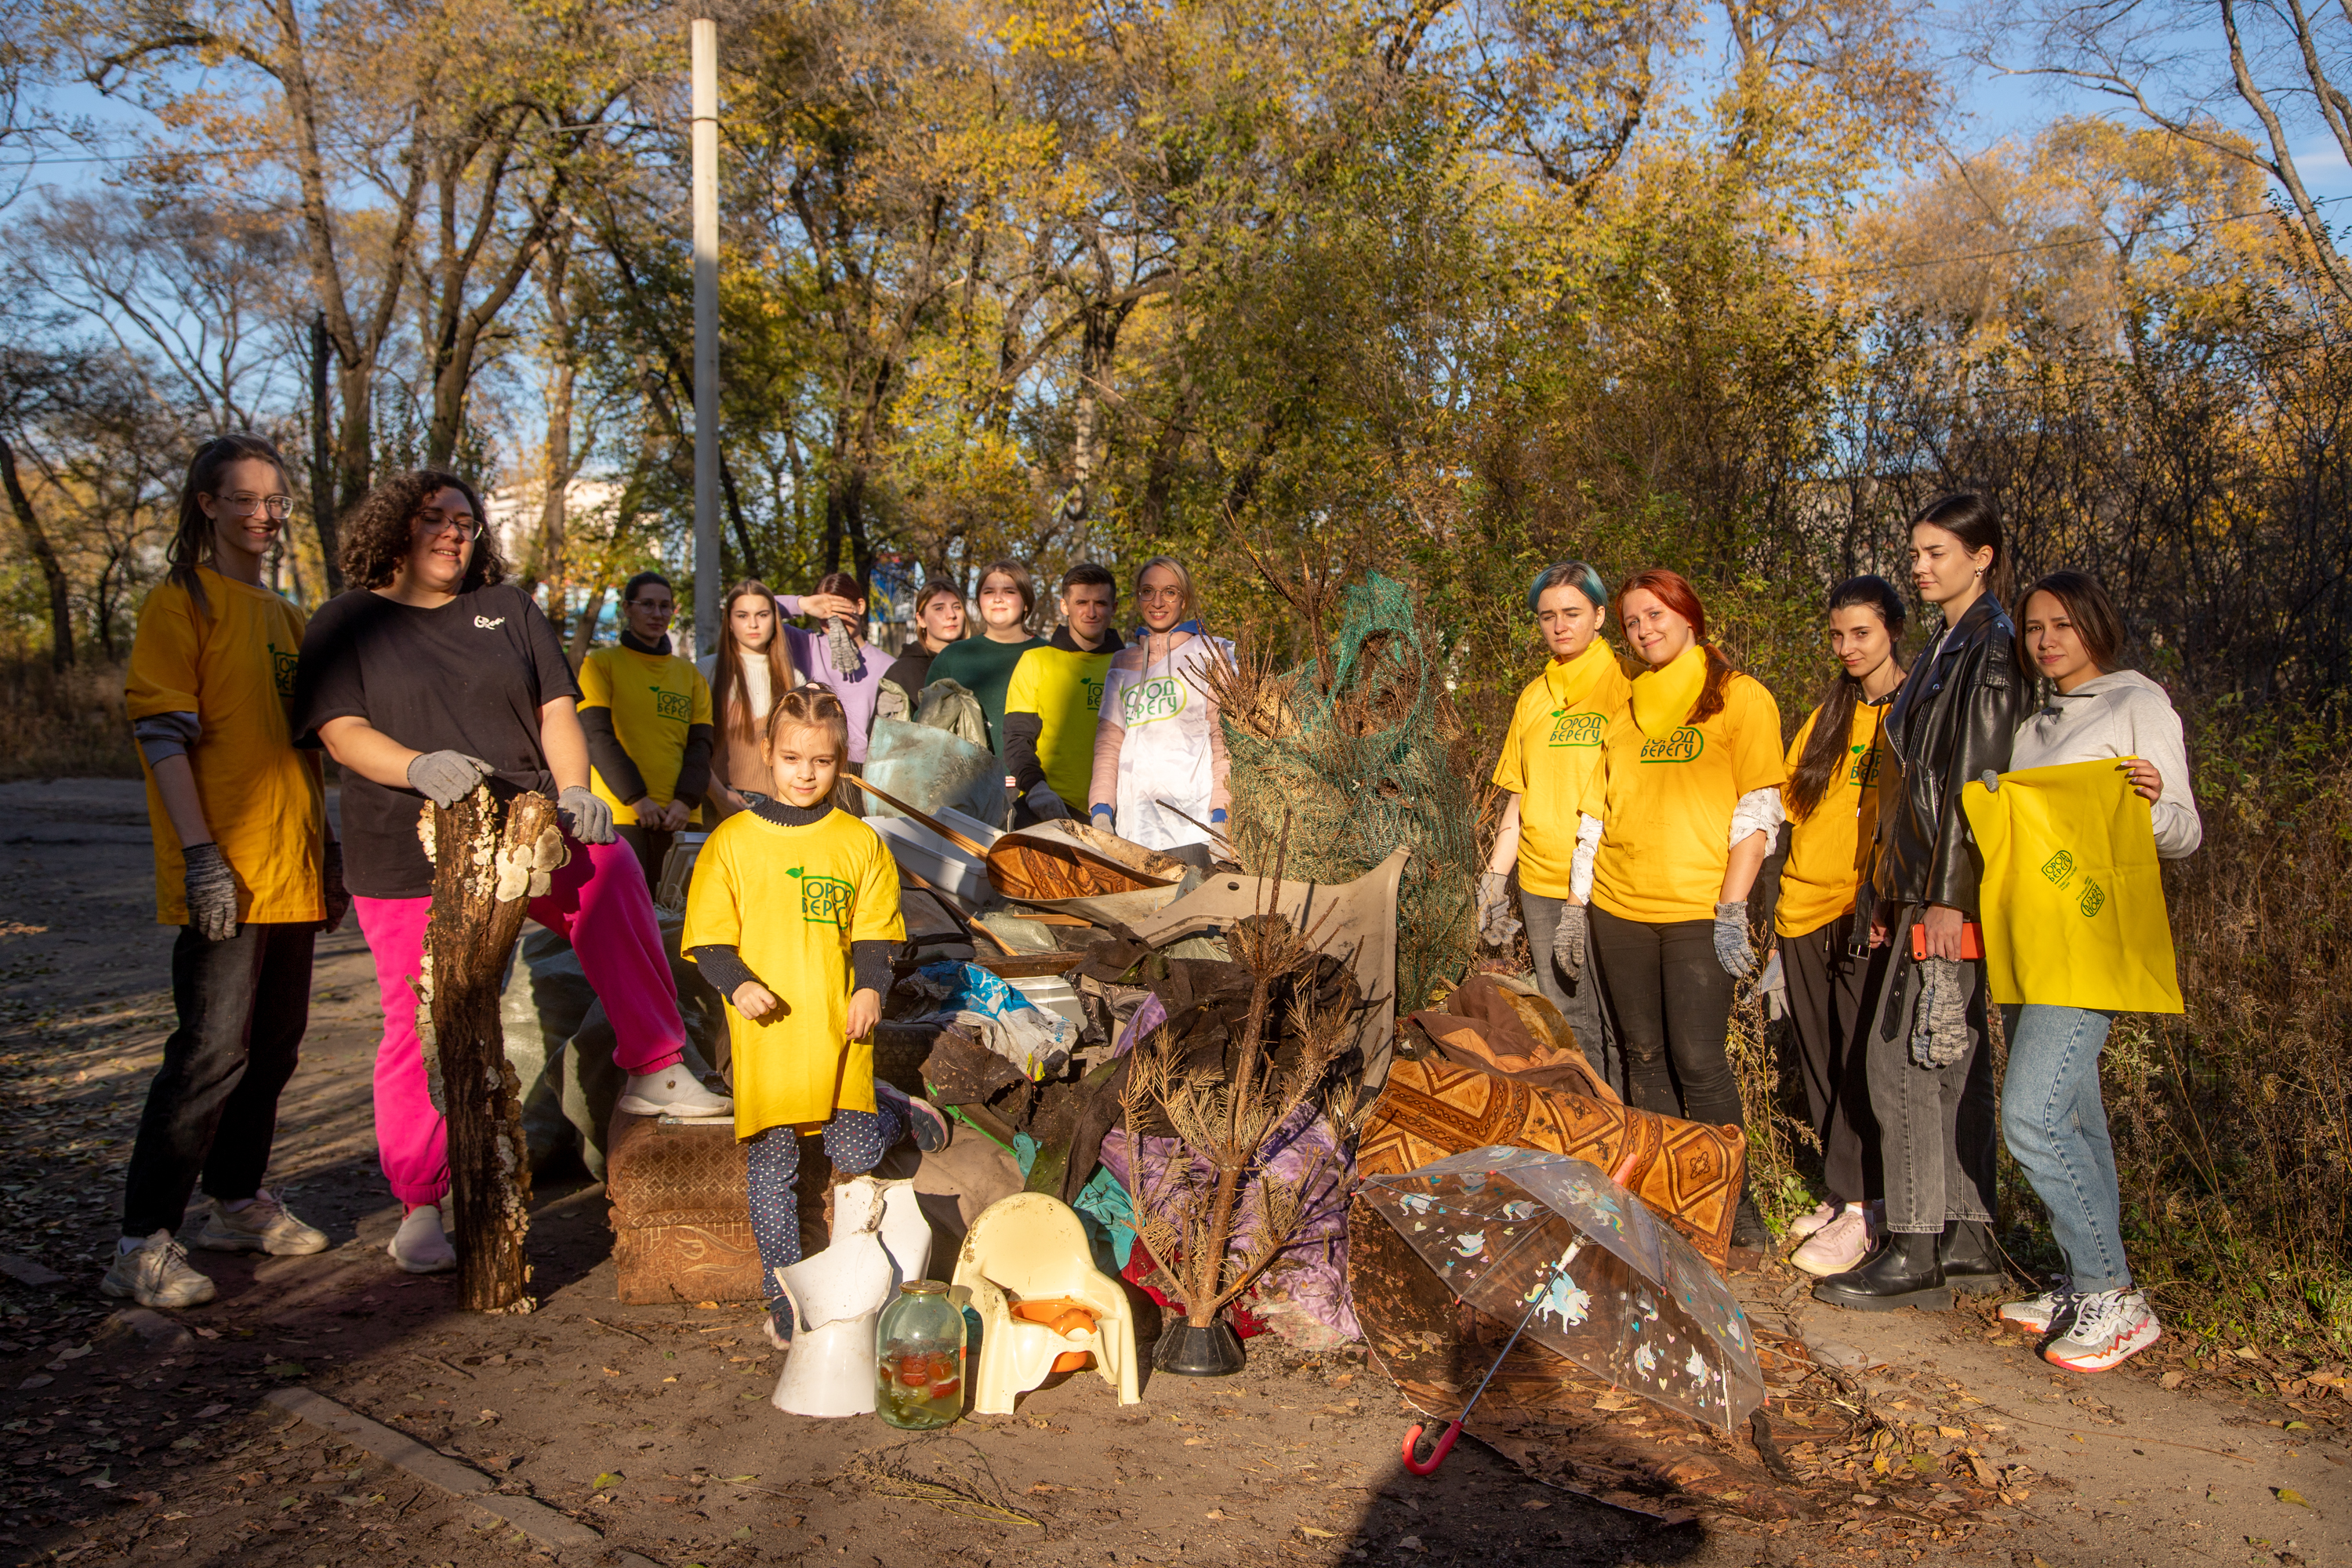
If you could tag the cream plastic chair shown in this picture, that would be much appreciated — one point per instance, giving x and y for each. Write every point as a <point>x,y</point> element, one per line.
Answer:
<point>1032,1248</point>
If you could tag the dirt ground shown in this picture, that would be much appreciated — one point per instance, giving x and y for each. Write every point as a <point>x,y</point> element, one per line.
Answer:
<point>127,1440</point>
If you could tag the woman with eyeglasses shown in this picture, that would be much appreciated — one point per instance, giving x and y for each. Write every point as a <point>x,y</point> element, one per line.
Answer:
<point>1159,754</point>
<point>246,865</point>
<point>430,677</point>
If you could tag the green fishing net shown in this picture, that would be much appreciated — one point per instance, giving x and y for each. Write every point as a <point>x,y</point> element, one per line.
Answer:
<point>1375,760</point>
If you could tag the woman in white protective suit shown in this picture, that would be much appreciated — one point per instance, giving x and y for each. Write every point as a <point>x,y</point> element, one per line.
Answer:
<point>1159,753</point>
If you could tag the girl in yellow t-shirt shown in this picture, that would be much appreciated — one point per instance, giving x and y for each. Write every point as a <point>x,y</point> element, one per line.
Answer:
<point>1551,754</point>
<point>792,914</point>
<point>1832,799</point>
<point>1689,798</point>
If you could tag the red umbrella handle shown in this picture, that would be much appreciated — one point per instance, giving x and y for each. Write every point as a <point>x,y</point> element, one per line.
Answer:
<point>1436,1455</point>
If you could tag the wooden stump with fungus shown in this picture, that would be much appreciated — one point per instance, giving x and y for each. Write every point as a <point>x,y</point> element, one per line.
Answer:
<point>490,857</point>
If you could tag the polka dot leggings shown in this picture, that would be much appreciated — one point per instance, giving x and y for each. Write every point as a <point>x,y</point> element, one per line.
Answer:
<point>857,1141</point>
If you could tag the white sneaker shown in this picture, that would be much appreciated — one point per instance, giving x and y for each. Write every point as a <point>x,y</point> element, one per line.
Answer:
<point>1838,1246</point>
<point>2110,1328</point>
<point>1806,1225</point>
<point>156,1273</point>
<point>264,1224</point>
<point>2035,1314</point>
<point>672,1091</point>
<point>420,1245</point>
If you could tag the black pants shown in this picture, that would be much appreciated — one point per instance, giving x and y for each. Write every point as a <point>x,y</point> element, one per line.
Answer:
<point>1824,1012</point>
<point>652,845</point>
<point>1937,1127</point>
<point>212,1109</point>
<point>1672,1003</point>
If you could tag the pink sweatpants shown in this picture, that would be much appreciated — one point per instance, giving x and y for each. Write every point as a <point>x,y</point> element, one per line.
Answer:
<point>600,902</point>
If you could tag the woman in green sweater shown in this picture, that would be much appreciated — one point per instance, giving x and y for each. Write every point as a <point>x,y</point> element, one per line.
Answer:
<point>983,665</point>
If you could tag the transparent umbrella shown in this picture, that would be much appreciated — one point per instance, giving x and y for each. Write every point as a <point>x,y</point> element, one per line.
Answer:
<point>1586,1269</point>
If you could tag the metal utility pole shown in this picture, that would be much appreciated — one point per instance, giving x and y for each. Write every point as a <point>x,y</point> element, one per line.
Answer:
<point>706,334</point>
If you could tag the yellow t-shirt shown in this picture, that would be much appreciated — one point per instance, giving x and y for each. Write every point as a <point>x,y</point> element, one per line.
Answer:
<point>1551,754</point>
<point>232,665</point>
<point>654,699</point>
<point>1830,849</point>
<point>1065,690</point>
<point>1666,805</point>
<point>791,900</point>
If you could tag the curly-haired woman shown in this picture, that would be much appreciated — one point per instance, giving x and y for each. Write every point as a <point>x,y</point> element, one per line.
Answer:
<point>428,678</point>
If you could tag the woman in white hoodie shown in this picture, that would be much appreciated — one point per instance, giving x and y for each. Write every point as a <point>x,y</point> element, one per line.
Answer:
<point>2050,1113</point>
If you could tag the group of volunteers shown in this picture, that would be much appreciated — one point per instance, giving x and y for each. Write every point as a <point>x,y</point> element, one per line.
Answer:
<point>431,676</point>
<point>1642,813</point>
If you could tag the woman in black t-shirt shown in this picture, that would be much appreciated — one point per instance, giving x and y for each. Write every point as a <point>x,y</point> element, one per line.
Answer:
<point>430,678</point>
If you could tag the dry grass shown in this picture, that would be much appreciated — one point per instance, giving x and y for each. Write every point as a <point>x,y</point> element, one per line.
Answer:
<point>2233,1123</point>
<point>67,725</point>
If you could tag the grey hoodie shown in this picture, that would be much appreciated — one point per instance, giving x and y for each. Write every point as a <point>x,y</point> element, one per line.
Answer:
<point>2123,714</point>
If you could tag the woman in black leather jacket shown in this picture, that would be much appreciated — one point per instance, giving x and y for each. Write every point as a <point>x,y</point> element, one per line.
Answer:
<point>1930,1081</point>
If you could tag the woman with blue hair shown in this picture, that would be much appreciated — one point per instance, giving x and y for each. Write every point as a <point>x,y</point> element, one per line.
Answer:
<point>1549,756</point>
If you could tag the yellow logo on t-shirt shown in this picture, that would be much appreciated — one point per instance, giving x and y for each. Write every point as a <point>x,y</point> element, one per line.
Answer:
<point>1577,729</point>
<point>1148,701</point>
<point>826,900</point>
<point>1682,746</point>
<point>672,704</point>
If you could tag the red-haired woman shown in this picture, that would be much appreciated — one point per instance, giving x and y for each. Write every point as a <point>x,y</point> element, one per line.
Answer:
<point>1689,799</point>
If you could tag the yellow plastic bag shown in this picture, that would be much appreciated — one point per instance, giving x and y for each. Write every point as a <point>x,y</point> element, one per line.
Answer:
<point>2073,904</point>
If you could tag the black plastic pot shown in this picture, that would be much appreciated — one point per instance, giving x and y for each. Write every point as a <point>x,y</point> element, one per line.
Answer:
<point>1187,1351</point>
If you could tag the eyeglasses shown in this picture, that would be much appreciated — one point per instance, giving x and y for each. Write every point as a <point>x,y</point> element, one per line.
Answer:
<point>464,524</point>
<point>244,504</point>
<point>1154,595</point>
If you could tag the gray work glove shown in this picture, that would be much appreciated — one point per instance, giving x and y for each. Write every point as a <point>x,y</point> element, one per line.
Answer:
<point>840,646</point>
<point>1045,805</point>
<point>1732,948</point>
<point>586,815</point>
<point>1775,986</point>
<point>1568,940</point>
<point>330,887</point>
<point>1496,925</point>
<point>445,778</point>
<point>210,891</point>
<point>1939,1021</point>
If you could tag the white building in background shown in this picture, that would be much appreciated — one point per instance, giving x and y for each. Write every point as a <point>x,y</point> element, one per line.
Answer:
<point>514,512</point>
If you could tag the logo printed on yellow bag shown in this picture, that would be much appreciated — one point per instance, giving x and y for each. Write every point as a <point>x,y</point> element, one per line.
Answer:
<point>2072,901</point>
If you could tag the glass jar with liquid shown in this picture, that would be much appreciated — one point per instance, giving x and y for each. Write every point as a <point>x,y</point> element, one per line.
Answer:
<point>918,1382</point>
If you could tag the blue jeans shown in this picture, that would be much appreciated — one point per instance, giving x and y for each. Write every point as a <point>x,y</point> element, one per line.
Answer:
<point>2056,1126</point>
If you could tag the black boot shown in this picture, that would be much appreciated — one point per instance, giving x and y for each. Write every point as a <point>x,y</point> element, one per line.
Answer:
<point>1970,1261</point>
<point>1903,1272</point>
<point>1748,1228</point>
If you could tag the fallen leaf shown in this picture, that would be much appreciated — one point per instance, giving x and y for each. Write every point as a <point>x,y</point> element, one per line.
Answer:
<point>604,1480</point>
<point>486,1417</point>
<point>284,1368</point>
<point>1953,1431</point>
<point>1408,1544</point>
<point>37,1381</point>
<point>209,1411</point>
<point>1312,1533</point>
<point>2172,1380</point>
<point>2288,1494</point>
<point>1217,1514</point>
<point>1535,1503</point>
<point>610,1373</point>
